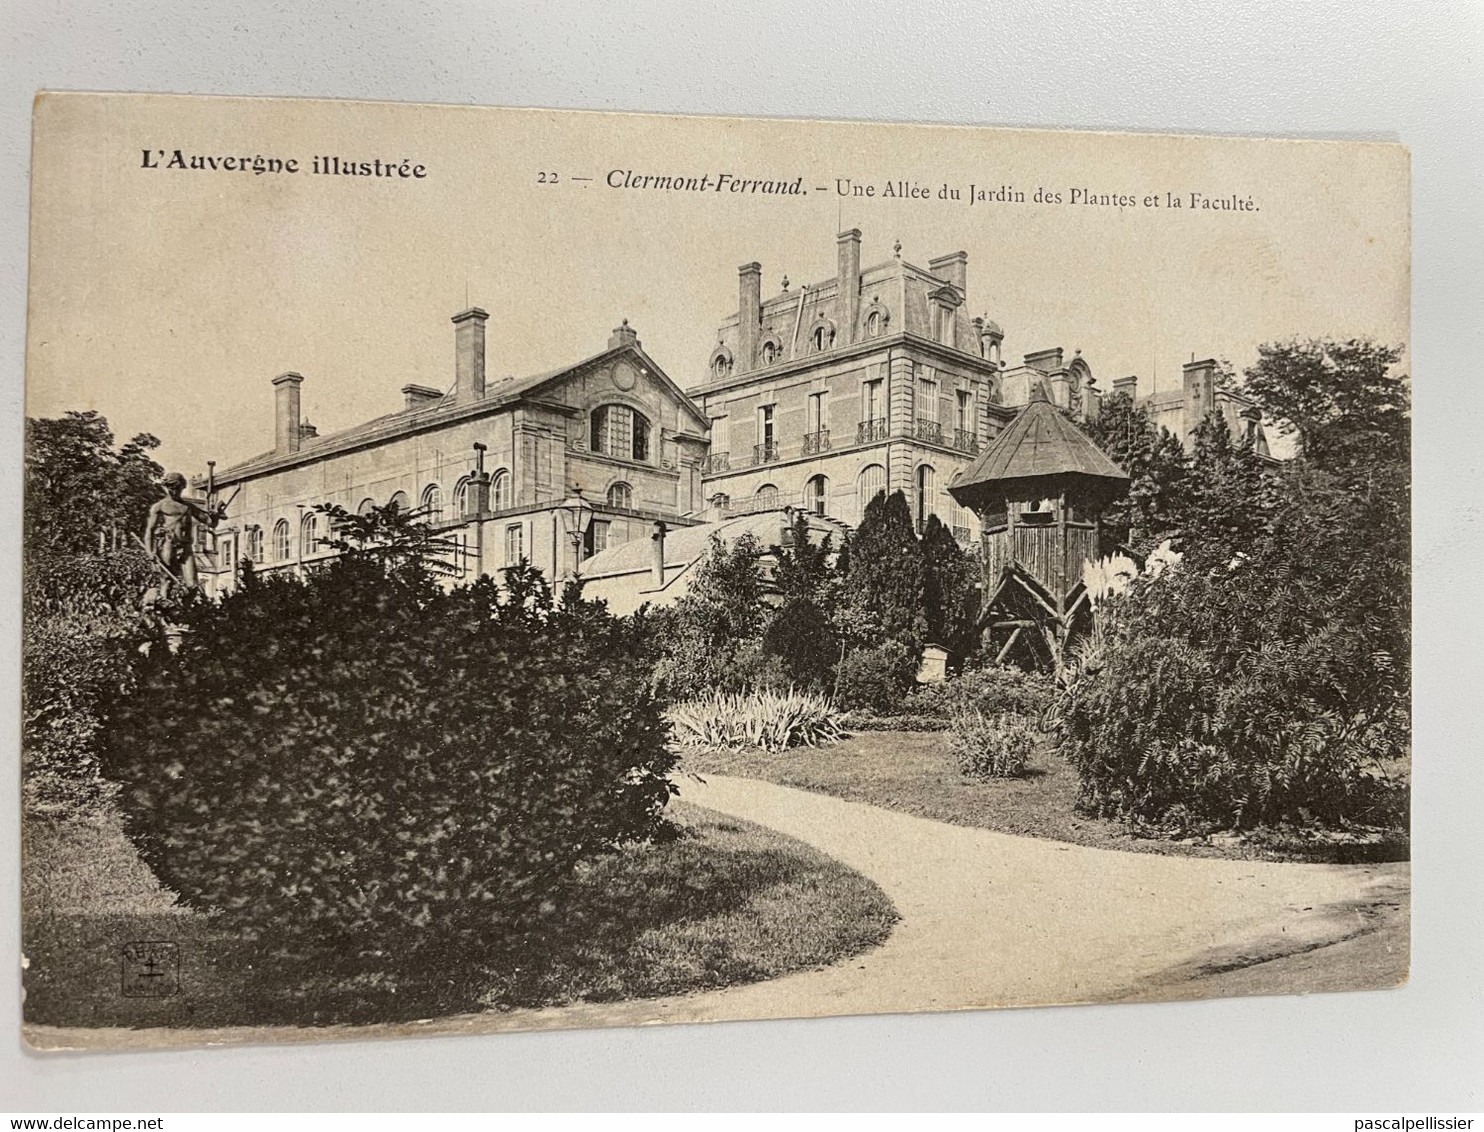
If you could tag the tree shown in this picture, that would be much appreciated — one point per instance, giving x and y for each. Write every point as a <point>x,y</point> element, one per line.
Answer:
<point>1156,505</point>
<point>398,539</point>
<point>83,621</point>
<point>711,638</point>
<point>801,633</point>
<point>1266,677</point>
<point>882,619</point>
<point>77,485</point>
<point>951,593</point>
<point>1232,495</point>
<point>1340,399</point>
<point>888,574</point>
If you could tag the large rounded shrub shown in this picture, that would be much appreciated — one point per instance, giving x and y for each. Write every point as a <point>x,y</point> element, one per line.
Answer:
<point>361,760</point>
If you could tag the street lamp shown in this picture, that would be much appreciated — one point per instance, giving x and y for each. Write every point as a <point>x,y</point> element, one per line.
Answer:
<point>577,516</point>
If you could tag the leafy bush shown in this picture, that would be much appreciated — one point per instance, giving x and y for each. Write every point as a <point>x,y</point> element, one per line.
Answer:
<point>991,746</point>
<point>711,639</point>
<point>1216,693</point>
<point>875,679</point>
<point>362,760</point>
<point>82,630</point>
<point>991,690</point>
<point>770,720</point>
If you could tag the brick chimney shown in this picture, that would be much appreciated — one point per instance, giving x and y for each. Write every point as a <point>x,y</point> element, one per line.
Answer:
<point>952,268</point>
<point>749,314</point>
<point>286,433</point>
<point>1200,392</point>
<point>1045,360</point>
<point>848,285</point>
<point>468,352</point>
<point>416,396</point>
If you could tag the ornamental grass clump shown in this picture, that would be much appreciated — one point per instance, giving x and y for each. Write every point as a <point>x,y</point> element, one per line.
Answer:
<point>771,721</point>
<point>991,746</point>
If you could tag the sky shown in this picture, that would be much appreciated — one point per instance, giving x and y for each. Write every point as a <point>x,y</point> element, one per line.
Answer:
<point>168,299</point>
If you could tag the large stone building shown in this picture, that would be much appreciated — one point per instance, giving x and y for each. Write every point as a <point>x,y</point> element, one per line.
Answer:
<point>501,465</point>
<point>820,397</point>
<point>874,380</point>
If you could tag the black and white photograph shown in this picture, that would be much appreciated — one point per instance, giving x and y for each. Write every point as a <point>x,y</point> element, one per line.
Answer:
<point>493,570</point>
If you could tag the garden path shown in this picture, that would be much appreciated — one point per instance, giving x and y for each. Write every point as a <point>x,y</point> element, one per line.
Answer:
<point>991,919</point>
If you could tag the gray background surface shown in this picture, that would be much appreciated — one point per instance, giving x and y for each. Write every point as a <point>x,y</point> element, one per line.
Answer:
<point>1412,73</point>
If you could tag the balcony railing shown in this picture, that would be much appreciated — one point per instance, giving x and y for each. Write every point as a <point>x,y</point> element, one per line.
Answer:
<point>965,441</point>
<point>716,462</point>
<point>765,453</point>
<point>816,442</point>
<point>869,432</point>
<point>752,505</point>
<point>929,430</point>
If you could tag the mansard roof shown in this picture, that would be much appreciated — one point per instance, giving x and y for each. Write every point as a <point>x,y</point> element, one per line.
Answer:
<point>1039,444</point>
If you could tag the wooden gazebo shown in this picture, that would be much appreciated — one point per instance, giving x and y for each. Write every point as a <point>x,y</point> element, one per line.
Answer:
<point>1039,491</point>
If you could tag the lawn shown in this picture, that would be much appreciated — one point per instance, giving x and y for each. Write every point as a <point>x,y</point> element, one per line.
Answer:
<point>727,902</point>
<point>914,773</point>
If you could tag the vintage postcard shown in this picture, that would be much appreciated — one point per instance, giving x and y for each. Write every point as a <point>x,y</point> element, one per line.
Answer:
<point>500,569</point>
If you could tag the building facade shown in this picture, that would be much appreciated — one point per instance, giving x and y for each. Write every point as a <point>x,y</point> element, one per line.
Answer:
<point>875,380</point>
<point>818,397</point>
<point>499,466</point>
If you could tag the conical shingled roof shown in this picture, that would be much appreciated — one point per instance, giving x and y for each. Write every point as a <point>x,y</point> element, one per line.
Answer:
<point>1038,444</point>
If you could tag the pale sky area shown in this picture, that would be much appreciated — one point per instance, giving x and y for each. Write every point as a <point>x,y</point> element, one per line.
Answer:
<point>168,299</point>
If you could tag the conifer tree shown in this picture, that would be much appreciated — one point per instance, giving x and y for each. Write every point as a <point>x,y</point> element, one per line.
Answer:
<point>887,580</point>
<point>951,598</point>
<point>801,633</point>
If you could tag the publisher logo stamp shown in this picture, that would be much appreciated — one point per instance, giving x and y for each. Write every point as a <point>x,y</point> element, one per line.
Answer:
<point>151,969</point>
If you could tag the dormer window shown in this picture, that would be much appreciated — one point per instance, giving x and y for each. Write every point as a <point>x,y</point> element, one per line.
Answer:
<point>873,324</point>
<point>617,430</point>
<point>821,336</point>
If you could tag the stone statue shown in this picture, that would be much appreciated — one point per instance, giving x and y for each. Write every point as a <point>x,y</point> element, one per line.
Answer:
<point>170,531</point>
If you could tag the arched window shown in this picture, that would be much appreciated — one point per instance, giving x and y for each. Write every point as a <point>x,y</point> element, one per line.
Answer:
<point>617,430</point>
<point>500,491</point>
<point>869,484</point>
<point>366,507</point>
<point>309,534</point>
<point>432,503</point>
<point>767,497</point>
<point>874,324</point>
<point>816,494</point>
<point>771,350</point>
<point>281,540</point>
<point>927,493</point>
<point>400,501</point>
<point>255,543</point>
<point>461,498</point>
<point>621,495</point>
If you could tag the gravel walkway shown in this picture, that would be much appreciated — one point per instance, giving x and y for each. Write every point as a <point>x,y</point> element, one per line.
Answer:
<point>990,919</point>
